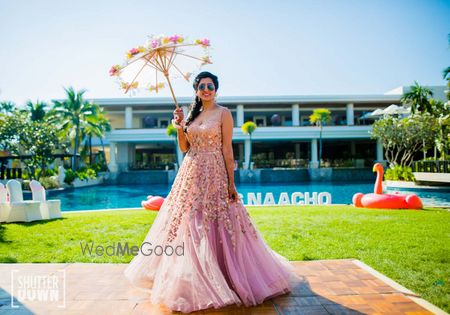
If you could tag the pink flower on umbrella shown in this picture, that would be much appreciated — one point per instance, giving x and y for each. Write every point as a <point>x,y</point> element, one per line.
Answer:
<point>176,39</point>
<point>115,70</point>
<point>203,42</point>
<point>155,43</point>
<point>133,51</point>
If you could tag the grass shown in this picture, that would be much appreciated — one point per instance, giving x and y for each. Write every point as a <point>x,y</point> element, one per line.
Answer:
<point>411,247</point>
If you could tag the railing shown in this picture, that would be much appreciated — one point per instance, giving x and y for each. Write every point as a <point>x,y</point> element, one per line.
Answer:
<point>432,166</point>
<point>10,173</point>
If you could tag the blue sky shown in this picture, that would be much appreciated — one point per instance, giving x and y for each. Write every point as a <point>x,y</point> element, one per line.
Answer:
<point>258,47</point>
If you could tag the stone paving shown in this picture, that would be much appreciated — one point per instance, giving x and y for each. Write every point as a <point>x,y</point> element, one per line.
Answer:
<point>326,287</point>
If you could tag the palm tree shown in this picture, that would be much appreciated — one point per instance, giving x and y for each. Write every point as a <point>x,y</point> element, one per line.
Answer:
<point>7,107</point>
<point>320,117</point>
<point>37,110</point>
<point>446,73</point>
<point>418,98</point>
<point>248,128</point>
<point>96,127</point>
<point>72,116</point>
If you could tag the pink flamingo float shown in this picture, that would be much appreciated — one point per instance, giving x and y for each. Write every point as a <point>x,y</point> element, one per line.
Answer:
<point>152,203</point>
<point>385,201</point>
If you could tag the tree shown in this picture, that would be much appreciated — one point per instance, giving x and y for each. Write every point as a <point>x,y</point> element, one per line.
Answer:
<point>38,140</point>
<point>7,107</point>
<point>403,138</point>
<point>72,115</point>
<point>36,110</point>
<point>418,98</point>
<point>96,126</point>
<point>320,117</point>
<point>11,126</point>
<point>248,128</point>
<point>34,139</point>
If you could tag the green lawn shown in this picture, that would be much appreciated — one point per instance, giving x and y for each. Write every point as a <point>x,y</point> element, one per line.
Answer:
<point>411,247</point>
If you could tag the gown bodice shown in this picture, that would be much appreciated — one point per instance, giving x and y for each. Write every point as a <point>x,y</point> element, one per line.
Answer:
<point>205,134</point>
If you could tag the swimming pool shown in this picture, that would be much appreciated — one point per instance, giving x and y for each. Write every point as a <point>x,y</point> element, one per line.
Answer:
<point>130,196</point>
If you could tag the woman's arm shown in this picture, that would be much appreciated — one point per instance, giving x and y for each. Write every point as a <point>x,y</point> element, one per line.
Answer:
<point>227,147</point>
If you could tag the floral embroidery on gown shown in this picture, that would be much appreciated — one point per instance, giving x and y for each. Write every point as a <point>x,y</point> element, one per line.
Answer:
<point>225,259</point>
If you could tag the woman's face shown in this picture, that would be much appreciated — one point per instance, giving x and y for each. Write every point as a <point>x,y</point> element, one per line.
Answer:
<point>206,90</point>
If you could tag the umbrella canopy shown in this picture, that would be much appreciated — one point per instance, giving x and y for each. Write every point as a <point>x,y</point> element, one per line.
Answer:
<point>396,110</point>
<point>390,110</point>
<point>372,115</point>
<point>162,58</point>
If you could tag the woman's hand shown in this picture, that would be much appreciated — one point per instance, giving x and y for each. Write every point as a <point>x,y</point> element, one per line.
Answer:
<point>178,115</point>
<point>232,193</point>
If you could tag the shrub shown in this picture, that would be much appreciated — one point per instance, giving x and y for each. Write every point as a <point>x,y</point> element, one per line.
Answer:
<point>86,173</point>
<point>399,173</point>
<point>50,182</point>
<point>70,176</point>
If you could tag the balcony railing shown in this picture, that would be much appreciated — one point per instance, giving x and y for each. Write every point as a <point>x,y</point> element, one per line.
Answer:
<point>432,166</point>
<point>10,173</point>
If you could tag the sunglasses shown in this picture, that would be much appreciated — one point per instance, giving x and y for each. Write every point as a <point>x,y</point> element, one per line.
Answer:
<point>203,87</point>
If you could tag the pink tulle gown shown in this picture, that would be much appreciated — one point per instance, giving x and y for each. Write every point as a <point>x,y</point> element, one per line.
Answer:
<point>224,258</point>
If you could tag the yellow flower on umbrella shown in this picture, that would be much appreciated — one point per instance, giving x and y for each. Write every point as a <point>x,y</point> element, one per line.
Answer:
<point>156,87</point>
<point>128,86</point>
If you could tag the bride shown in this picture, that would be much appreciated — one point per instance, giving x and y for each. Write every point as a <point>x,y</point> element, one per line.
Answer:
<point>213,253</point>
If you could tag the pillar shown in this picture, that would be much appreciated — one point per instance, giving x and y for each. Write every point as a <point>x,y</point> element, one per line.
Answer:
<point>350,115</point>
<point>241,151</point>
<point>314,163</point>
<point>297,151</point>
<point>123,156</point>
<point>353,148</point>
<point>295,115</point>
<point>112,158</point>
<point>246,152</point>
<point>380,155</point>
<point>240,115</point>
<point>128,117</point>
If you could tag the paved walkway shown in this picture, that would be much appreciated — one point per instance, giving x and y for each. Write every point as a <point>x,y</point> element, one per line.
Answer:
<point>326,287</point>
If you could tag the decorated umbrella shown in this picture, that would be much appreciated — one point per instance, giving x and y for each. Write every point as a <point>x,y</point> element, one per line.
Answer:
<point>160,59</point>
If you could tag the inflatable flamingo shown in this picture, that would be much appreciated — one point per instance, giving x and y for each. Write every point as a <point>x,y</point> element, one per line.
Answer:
<point>386,201</point>
<point>152,203</point>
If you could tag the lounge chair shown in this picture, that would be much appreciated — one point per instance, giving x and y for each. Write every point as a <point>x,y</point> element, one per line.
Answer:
<point>4,203</point>
<point>50,209</point>
<point>21,210</point>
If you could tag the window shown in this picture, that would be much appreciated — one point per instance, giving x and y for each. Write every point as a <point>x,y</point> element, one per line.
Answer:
<point>260,121</point>
<point>163,122</point>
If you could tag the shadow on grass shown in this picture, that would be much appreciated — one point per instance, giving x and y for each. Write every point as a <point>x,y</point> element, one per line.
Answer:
<point>4,225</point>
<point>39,222</point>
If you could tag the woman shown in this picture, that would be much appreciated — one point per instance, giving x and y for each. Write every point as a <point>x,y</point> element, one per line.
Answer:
<point>207,251</point>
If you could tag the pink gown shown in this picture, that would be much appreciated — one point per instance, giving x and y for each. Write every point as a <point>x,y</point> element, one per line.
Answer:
<point>214,256</point>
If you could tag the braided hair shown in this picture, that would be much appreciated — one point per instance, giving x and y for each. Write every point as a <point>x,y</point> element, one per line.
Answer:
<point>197,104</point>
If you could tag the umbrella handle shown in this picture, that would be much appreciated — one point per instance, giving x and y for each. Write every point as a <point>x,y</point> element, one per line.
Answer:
<point>166,74</point>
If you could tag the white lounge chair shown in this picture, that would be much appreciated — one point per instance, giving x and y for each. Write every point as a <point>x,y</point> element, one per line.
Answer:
<point>4,203</point>
<point>50,209</point>
<point>21,210</point>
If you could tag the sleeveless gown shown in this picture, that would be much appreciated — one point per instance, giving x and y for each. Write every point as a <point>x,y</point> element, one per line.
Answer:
<point>219,257</point>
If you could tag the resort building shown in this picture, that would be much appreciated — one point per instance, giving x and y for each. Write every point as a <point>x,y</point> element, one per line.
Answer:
<point>284,137</point>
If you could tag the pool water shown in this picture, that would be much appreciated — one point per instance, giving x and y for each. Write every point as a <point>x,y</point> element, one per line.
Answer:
<point>130,196</point>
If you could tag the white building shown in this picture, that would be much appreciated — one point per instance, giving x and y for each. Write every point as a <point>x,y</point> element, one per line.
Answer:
<point>139,140</point>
